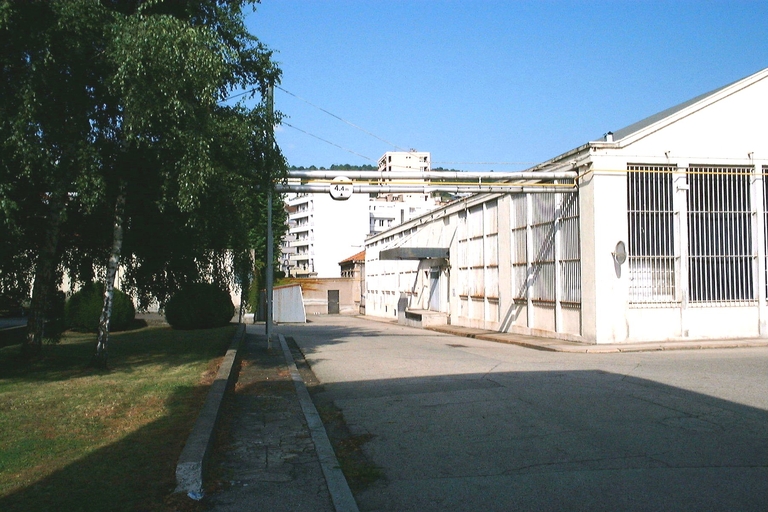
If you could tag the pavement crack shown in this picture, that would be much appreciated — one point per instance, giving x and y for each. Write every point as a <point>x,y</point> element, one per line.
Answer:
<point>630,372</point>
<point>577,461</point>
<point>486,375</point>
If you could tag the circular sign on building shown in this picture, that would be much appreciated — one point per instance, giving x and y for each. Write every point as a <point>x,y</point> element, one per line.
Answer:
<point>341,188</point>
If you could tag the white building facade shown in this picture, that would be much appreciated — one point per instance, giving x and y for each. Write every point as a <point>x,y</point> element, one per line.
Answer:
<point>393,161</point>
<point>389,210</point>
<point>325,232</point>
<point>663,238</point>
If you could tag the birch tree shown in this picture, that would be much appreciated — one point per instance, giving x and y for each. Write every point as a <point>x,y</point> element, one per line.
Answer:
<point>47,96</point>
<point>119,106</point>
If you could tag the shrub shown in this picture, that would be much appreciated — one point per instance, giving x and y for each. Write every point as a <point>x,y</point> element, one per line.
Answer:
<point>83,309</point>
<point>199,306</point>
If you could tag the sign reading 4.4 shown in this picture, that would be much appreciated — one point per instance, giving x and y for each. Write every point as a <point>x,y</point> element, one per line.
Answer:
<point>341,188</point>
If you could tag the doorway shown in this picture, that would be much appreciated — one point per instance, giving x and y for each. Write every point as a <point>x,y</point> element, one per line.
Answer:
<point>434,290</point>
<point>333,302</point>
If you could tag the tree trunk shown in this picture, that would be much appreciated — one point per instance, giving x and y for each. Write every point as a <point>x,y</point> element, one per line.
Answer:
<point>100,358</point>
<point>242,303</point>
<point>45,277</point>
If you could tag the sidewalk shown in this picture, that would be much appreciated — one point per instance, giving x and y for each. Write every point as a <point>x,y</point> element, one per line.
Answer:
<point>556,345</point>
<point>266,459</point>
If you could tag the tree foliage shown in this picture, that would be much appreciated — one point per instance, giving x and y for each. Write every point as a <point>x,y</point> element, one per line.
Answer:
<point>199,306</point>
<point>113,115</point>
<point>83,308</point>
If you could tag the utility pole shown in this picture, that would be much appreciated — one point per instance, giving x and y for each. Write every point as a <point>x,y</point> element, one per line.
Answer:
<point>270,235</point>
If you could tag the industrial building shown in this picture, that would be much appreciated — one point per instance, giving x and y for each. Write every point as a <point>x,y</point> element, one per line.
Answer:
<point>662,238</point>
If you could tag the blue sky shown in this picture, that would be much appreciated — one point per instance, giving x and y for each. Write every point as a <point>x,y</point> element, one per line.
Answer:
<point>498,85</point>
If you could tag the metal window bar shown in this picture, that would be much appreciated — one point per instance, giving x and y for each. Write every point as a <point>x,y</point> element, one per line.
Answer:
<point>543,264</point>
<point>519,263</point>
<point>651,240</point>
<point>570,253</point>
<point>491,253</point>
<point>543,228</point>
<point>463,260</point>
<point>765,223</point>
<point>476,254</point>
<point>720,236</point>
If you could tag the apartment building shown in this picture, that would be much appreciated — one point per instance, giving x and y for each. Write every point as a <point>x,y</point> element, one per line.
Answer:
<point>323,232</point>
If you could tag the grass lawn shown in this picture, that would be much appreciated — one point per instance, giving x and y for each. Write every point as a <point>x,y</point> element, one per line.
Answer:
<point>75,438</point>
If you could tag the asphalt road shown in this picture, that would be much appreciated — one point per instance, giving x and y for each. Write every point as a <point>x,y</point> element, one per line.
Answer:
<point>464,424</point>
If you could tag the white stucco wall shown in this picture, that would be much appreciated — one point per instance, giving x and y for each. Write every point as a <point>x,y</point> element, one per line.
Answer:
<point>730,131</point>
<point>389,280</point>
<point>476,285</point>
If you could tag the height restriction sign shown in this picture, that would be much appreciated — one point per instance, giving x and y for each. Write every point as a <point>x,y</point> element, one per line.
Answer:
<point>341,188</point>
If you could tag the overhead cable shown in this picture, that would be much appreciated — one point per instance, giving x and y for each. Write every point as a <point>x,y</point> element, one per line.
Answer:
<point>341,119</point>
<point>326,141</point>
<point>327,112</point>
<point>237,95</point>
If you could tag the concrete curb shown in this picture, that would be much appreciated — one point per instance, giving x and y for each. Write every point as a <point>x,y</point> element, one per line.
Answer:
<point>341,495</point>
<point>558,345</point>
<point>14,328</point>
<point>194,457</point>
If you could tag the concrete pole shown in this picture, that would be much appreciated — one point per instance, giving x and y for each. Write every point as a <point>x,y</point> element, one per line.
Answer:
<point>270,236</point>
<point>269,270</point>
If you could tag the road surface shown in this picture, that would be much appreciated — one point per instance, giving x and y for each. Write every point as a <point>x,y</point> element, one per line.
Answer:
<point>464,424</point>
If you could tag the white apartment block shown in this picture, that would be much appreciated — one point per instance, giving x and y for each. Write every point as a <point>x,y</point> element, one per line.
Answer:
<point>288,242</point>
<point>322,232</point>
<point>389,210</point>
<point>405,161</point>
<point>325,231</point>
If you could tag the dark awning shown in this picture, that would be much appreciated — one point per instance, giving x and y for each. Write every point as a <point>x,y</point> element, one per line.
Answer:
<point>414,253</point>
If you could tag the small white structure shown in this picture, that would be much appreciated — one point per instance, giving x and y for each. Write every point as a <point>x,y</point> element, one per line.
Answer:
<point>288,304</point>
<point>664,238</point>
<point>389,210</point>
